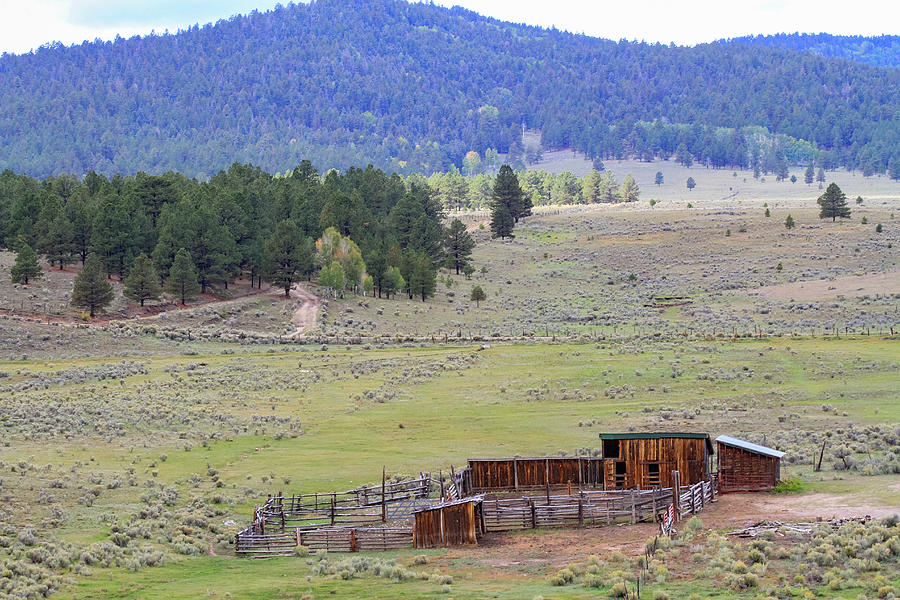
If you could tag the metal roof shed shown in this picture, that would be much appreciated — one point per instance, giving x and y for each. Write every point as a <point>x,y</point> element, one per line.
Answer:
<point>747,467</point>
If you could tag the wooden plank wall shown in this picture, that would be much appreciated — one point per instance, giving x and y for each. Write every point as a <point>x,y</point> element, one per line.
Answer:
<point>487,475</point>
<point>744,471</point>
<point>686,455</point>
<point>445,526</point>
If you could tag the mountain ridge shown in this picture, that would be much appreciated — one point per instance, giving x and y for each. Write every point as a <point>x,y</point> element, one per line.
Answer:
<point>416,87</point>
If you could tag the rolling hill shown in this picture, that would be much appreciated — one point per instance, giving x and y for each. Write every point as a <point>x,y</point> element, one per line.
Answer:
<point>414,87</point>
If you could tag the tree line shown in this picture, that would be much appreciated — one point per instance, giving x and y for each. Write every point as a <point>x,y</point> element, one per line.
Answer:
<point>359,230</point>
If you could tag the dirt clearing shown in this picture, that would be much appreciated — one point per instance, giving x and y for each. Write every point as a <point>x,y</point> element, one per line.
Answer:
<point>827,289</point>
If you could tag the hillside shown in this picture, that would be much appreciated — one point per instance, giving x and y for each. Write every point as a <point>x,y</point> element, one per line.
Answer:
<point>880,51</point>
<point>415,87</point>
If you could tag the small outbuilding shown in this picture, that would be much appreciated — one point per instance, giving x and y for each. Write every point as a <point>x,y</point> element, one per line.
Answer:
<point>646,460</point>
<point>747,467</point>
<point>457,523</point>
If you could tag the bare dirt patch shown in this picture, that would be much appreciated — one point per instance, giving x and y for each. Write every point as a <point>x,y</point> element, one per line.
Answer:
<point>826,289</point>
<point>557,548</point>
<point>304,318</point>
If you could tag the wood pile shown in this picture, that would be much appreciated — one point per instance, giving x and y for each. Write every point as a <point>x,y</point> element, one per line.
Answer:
<point>779,528</point>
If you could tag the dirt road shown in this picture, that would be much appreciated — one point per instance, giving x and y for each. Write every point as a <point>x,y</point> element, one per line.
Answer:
<point>304,318</point>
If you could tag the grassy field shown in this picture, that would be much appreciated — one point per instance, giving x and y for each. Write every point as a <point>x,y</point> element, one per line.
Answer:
<point>175,450</point>
<point>132,451</point>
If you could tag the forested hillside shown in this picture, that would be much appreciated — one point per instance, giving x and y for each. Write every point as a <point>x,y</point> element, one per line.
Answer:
<point>415,87</point>
<point>881,51</point>
<point>243,220</point>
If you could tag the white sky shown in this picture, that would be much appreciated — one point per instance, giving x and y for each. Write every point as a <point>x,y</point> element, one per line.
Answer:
<point>27,24</point>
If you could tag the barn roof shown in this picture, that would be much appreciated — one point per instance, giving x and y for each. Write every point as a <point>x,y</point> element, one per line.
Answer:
<point>658,434</point>
<point>749,446</point>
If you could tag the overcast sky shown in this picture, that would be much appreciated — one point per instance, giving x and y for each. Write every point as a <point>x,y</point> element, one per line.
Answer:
<point>28,24</point>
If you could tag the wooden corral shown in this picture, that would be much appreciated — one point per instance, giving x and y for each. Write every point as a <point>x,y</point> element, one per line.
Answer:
<point>646,460</point>
<point>747,467</point>
<point>451,524</point>
<point>513,474</point>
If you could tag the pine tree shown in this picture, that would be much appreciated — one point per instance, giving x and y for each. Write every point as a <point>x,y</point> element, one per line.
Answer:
<point>78,214</point>
<point>458,245</point>
<point>659,178</point>
<point>59,241</point>
<point>507,203</point>
<point>630,191</point>
<point>833,203</point>
<point>423,277</point>
<point>502,222</point>
<point>182,281</point>
<point>288,256</point>
<point>477,295</point>
<point>691,184</point>
<point>92,291</point>
<point>26,267</point>
<point>142,282</point>
<point>789,222</point>
<point>809,174</point>
<point>393,281</point>
<point>820,175</point>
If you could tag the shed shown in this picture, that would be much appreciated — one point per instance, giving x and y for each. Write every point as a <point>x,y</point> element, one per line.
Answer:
<point>747,467</point>
<point>646,460</point>
<point>455,523</point>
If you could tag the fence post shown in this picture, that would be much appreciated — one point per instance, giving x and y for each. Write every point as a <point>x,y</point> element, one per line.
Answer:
<point>332,509</point>
<point>633,511</point>
<point>516,474</point>
<point>676,494</point>
<point>653,504</point>
<point>580,511</point>
<point>533,514</point>
<point>383,504</point>
<point>547,478</point>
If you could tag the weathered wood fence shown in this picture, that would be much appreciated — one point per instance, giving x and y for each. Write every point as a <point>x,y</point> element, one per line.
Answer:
<point>694,498</point>
<point>369,504</point>
<point>330,521</point>
<point>584,509</point>
<point>336,539</point>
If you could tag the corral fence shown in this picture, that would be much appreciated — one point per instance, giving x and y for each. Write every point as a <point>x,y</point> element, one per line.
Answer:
<point>584,509</point>
<point>368,504</point>
<point>380,517</point>
<point>335,521</point>
<point>330,539</point>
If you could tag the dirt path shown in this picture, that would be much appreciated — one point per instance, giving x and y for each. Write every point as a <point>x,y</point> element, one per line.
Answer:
<point>304,318</point>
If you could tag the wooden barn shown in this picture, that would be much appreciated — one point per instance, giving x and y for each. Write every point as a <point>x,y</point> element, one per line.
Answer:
<point>747,467</point>
<point>457,523</point>
<point>646,460</point>
<point>514,474</point>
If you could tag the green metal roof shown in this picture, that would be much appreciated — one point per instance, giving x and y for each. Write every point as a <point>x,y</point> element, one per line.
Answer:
<point>656,435</point>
